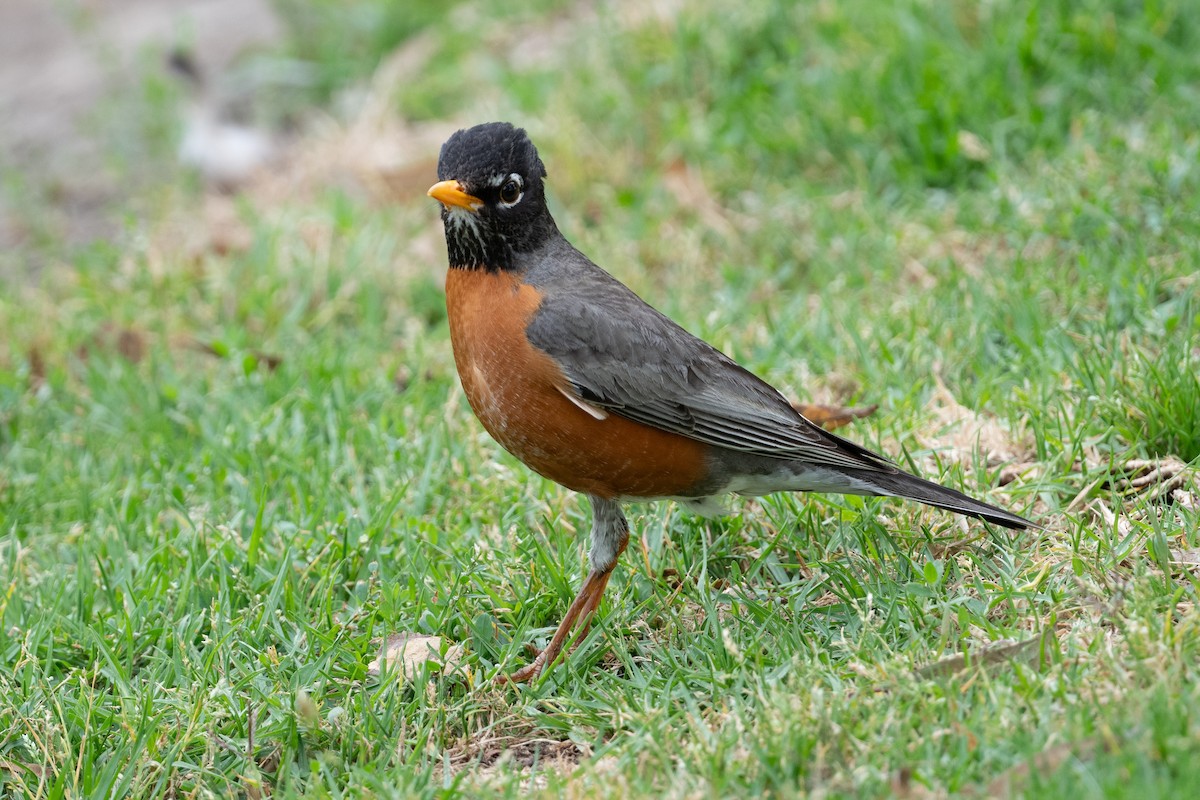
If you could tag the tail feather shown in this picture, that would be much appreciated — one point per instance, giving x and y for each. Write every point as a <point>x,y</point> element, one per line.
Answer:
<point>901,484</point>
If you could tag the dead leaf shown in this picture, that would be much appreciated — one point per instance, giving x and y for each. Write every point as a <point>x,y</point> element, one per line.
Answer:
<point>1157,478</point>
<point>1011,472</point>
<point>831,417</point>
<point>268,360</point>
<point>269,762</point>
<point>37,368</point>
<point>1188,560</point>
<point>1111,520</point>
<point>1030,651</point>
<point>34,769</point>
<point>401,378</point>
<point>129,343</point>
<point>403,654</point>
<point>961,432</point>
<point>972,147</point>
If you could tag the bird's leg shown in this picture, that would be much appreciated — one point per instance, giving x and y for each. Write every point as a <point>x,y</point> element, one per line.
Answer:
<point>610,535</point>
<point>588,598</point>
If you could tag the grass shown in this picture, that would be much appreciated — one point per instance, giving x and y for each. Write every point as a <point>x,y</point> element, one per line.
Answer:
<point>225,476</point>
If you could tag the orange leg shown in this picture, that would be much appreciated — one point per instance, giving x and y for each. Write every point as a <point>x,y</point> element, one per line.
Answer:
<point>580,611</point>
<point>610,535</point>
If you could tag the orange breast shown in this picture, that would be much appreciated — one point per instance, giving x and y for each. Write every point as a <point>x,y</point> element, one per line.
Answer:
<point>514,389</point>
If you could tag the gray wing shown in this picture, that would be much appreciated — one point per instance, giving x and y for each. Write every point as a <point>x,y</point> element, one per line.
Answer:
<point>622,355</point>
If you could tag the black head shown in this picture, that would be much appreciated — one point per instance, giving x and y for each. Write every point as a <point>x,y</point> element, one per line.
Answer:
<point>492,196</point>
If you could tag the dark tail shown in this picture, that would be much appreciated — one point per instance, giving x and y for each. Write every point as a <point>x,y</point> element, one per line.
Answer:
<point>900,484</point>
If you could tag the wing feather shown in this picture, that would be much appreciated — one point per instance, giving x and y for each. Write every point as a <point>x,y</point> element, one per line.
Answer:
<point>625,357</point>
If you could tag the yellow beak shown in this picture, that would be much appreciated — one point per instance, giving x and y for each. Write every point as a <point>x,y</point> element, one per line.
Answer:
<point>450,193</point>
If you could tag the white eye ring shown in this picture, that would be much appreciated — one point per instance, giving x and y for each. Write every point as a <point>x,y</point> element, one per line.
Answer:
<point>511,184</point>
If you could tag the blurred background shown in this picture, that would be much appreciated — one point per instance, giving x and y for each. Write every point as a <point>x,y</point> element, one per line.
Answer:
<point>846,95</point>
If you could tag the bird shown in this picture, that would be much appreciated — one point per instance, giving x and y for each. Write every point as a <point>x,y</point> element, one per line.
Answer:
<point>590,386</point>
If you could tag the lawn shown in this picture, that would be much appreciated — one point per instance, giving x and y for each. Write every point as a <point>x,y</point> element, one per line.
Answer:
<point>235,457</point>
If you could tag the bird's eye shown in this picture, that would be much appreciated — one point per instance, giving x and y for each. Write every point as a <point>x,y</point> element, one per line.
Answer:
<point>510,192</point>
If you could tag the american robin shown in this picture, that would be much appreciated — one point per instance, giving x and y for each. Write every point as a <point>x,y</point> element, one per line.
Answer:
<point>578,377</point>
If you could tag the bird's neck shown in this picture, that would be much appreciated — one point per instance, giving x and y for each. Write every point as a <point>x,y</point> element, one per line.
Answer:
<point>471,255</point>
<point>473,244</point>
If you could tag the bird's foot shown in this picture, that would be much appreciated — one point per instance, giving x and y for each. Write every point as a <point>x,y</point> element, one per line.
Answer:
<point>580,612</point>
<point>541,660</point>
<point>526,673</point>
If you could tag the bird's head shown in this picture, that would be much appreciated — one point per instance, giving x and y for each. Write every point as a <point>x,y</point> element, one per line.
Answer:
<point>492,195</point>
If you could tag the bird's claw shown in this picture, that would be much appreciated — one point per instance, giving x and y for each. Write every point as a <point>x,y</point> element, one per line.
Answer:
<point>526,673</point>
